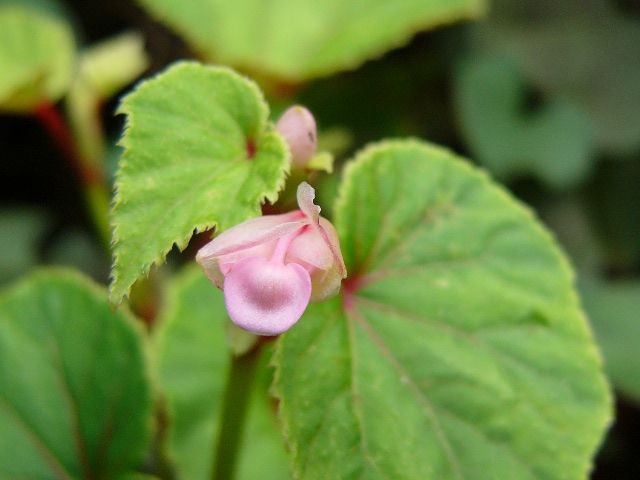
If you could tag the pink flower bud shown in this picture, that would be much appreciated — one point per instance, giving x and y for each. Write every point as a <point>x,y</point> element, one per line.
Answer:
<point>298,127</point>
<point>270,267</point>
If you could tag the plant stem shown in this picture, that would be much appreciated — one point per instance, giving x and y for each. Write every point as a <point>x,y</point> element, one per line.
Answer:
<point>237,394</point>
<point>88,171</point>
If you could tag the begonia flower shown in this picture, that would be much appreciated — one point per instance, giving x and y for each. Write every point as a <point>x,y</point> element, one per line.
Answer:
<point>272,266</point>
<point>298,127</point>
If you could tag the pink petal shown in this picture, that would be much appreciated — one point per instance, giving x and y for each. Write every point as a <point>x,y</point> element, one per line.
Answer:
<point>298,127</point>
<point>306,194</point>
<point>330,237</point>
<point>245,240</point>
<point>318,247</point>
<point>265,297</point>
<point>325,284</point>
<point>251,233</point>
<point>310,248</point>
<point>324,233</point>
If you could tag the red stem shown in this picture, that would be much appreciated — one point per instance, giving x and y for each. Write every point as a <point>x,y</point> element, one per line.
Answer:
<point>57,128</point>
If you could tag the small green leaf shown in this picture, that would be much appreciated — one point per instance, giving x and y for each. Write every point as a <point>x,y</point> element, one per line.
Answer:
<point>297,40</point>
<point>552,142</point>
<point>613,310</point>
<point>75,399</point>
<point>193,368</point>
<point>37,52</point>
<point>199,153</point>
<point>458,349</point>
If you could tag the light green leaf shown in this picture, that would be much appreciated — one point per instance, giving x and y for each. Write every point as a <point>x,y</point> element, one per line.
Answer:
<point>457,350</point>
<point>36,57</point>
<point>552,142</point>
<point>75,399</point>
<point>199,153</point>
<point>297,40</point>
<point>194,365</point>
<point>613,310</point>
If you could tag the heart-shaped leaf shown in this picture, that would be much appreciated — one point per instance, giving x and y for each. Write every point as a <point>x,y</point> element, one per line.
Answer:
<point>458,349</point>
<point>199,153</point>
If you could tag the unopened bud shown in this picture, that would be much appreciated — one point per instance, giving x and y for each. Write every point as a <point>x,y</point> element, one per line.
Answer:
<point>298,127</point>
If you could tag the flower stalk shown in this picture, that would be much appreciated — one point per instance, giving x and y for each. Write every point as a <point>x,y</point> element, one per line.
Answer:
<point>234,412</point>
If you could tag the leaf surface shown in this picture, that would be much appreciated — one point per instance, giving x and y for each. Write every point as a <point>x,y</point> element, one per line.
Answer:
<point>199,153</point>
<point>75,399</point>
<point>297,40</point>
<point>458,349</point>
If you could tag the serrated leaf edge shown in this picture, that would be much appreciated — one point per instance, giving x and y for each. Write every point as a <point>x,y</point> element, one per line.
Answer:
<point>117,294</point>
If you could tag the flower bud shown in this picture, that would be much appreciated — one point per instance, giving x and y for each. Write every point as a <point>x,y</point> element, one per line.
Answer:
<point>270,267</point>
<point>298,127</point>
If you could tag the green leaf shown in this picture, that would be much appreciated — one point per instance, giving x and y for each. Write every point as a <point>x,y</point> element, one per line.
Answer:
<point>458,349</point>
<point>613,310</point>
<point>75,399</point>
<point>299,40</point>
<point>36,57</point>
<point>193,366</point>
<point>199,153</point>
<point>552,142</point>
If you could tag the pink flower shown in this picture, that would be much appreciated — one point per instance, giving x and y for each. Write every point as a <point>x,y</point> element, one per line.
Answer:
<point>270,267</point>
<point>298,127</point>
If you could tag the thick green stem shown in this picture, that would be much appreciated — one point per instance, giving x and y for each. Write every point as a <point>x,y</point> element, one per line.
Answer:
<point>236,400</point>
